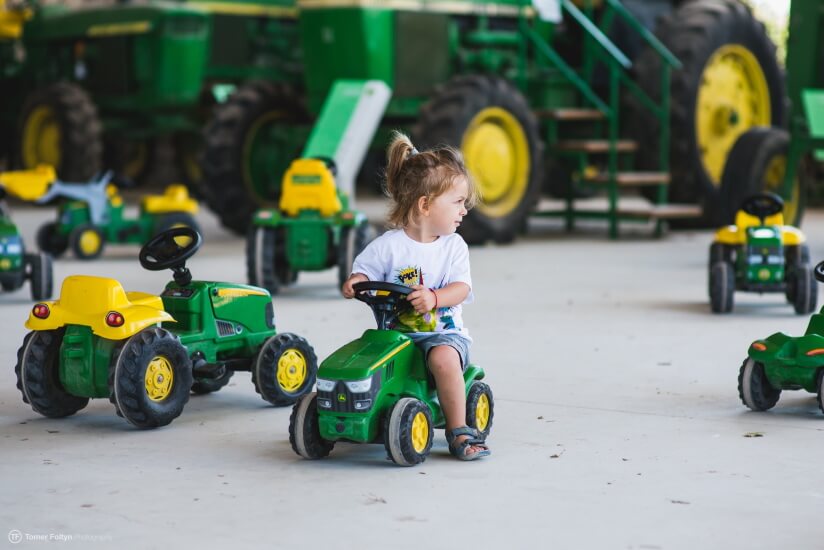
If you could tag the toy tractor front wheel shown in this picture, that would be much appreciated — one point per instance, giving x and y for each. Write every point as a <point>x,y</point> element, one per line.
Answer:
<point>754,389</point>
<point>805,289</point>
<point>40,275</point>
<point>352,242</point>
<point>285,369</point>
<point>49,240</point>
<point>722,287</point>
<point>304,430</point>
<point>87,242</point>
<point>480,408</point>
<point>408,432</point>
<point>38,375</point>
<point>150,379</point>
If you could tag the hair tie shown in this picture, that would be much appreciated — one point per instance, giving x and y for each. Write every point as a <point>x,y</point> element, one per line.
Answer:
<point>413,152</point>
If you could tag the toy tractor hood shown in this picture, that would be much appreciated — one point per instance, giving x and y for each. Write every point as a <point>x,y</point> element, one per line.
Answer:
<point>359,359</point>
<point>778,348</point>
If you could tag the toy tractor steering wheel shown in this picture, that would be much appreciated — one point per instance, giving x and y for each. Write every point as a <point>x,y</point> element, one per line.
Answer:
<point>387,302</point>
<point>819,272</point>
<point>762,205</point>
<point>165,251</point>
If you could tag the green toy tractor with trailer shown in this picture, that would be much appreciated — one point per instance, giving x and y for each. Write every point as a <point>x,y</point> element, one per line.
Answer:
<point>761,254</point>
<point>147,353</point>
<point>377,389</point>
<point>16,265</point>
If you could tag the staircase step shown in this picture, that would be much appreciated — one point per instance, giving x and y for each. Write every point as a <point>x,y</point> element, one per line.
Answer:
<point>570,114</point>
<point>632,179</point>
<point>664,211</point>
<point>596,145</point>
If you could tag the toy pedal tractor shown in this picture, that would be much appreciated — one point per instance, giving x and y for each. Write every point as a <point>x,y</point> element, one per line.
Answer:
<point>145,352</point>
<point>378,389</point>
<point>761,254</point>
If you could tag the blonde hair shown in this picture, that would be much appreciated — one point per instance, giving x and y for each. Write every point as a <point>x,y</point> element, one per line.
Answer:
<point>411,174</point>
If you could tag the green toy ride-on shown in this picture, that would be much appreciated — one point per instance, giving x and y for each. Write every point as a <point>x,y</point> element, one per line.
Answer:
<point>146,353</point>
<point>781,362</point>
<point>377,389</point>
<point>761,254</point>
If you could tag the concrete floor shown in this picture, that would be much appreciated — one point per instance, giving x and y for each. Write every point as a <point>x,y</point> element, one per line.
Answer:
<point>617,426</point>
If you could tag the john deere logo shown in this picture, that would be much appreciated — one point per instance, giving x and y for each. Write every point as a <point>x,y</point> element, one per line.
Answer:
<point>341,397</point>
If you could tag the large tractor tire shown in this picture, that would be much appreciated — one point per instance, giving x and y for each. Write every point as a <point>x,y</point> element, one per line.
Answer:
<point>131,160</point>
<point>490,121</point>
<point>249,144</point>
<point>758,162</point>
<point>59,126</point>
<point>730,81</point>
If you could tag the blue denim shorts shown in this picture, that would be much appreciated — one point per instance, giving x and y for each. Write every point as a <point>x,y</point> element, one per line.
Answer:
<point>428,340</point>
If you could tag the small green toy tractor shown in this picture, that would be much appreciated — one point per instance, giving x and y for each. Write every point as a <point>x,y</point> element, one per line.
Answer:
<point>146,353</point>
<point>377,389</point>
<point>761,254</point>
<point>781,362</point>
<point>92,214</point>
<point>16,266</point>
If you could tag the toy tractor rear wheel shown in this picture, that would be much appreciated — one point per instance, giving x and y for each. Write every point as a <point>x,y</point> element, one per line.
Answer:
<point>50,241</point>
<point>720,252</point>
<point>40,275</point>
<point>722,287</point>
<point>480,408</point>
<point>805,292</point>
<point>352,242</point>
<point>285,369</point>
<point>267,265</point>
<point>87,242</point>
<point>249,143</point>
<point>758,162</point>
<point>408,432</point>
<point>150,378</point>
<point>304,430</point>
<point>38,375</point>
<point>59,126</point>
<point>491,122</point>
<point>754,389</point>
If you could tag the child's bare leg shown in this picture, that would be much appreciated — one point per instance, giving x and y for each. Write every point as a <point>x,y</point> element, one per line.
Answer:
<point>445,364</point>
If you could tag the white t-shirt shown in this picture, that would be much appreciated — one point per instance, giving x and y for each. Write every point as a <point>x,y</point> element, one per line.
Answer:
<point>394,257</point>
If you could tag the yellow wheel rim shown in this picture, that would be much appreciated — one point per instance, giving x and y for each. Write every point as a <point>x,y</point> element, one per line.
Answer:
<point>732,98</point>
<point>41,138</point>
<point>420,432</point>
<point>496,151</point>
<point>482,412</point>
<point>774,181</point>
<point>159,378</point>
<point>90,242</point>
<point>291,370</point>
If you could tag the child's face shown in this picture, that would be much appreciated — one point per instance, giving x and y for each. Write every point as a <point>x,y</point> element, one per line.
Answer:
<point>446,212</point>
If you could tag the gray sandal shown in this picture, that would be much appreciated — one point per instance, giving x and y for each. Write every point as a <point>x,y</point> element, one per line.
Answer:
<point>458,448</point>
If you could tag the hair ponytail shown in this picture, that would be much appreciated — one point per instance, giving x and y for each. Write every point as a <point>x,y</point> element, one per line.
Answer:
<point>400,150</point>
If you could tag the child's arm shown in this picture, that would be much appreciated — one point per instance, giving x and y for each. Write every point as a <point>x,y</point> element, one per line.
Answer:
<point>425,299</point>
<point>347,290</point>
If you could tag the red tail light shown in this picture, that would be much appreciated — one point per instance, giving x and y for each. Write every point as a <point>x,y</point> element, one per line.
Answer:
<point>41,311</point>
<point>114,319</point>
<point>759,346</point>
<point>814,352</point>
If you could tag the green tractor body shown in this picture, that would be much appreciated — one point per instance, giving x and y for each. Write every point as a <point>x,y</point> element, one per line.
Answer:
<point>761,265</point>
<point>17,266</point>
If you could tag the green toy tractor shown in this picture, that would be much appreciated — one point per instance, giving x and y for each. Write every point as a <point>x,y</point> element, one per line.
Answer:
<point>378,389</point>
<point>761,254</point>
<point>781,362</point>
<point>17,266</point>
<point>147,353</point>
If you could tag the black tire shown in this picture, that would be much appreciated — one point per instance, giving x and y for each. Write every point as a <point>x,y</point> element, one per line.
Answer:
<point>754,389</point>
<point>480,408</point>
<point>694,32</point>
<point>398,437</point>
<point>127,378</point>
<point>87,242</point>
<point>202,386</point>
<point>352,242</point>
<point>175,219</point>
<point>722,287</point>
<point>40,275</point>
<point>447,119</point>
<point>720,252</point>
<point>38,375</point>
<point>819,395</point>
<point>50,241</point>
<point>757,163</point>
<point>805,297</point>
<point>285,369</point>
<point>266,262</point>
<point>232,185</point>
<point>304,432</point>
<point>69,108</point>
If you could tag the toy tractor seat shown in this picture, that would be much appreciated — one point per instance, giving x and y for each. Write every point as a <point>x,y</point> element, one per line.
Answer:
<point>309,184</point>
<point>174,199</point>
<point>28,185</point>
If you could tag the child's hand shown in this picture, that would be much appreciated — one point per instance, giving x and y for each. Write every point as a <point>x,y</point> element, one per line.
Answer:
<point>347,290</point>
<point>423,299</point>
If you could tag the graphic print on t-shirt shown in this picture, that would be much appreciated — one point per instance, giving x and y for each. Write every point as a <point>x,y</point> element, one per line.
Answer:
<point>410,320</point>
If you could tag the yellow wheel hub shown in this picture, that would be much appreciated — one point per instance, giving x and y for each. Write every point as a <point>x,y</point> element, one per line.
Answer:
<point>420,432</point>
<point>90,242</point>
<point>496,151</point>
<point>774,181</point>
<point>159,378</point>
<point>482,412</point>
<point>733,97</point>
<point>291,370</point>
<point>41,138</point>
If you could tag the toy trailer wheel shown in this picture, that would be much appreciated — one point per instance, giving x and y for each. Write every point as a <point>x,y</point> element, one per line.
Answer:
<point>352,242</point>
<point>754,389</point>
<point>40,275</point>
<point>722,287</point>
<point>150,379</point>
<point>87,242</point>
<point>304,431</point>
<point>38,375</point>
<point>805,290</point>
<point>50,241</point>
<point>285,369</point>
<point>408,432</point>
<point>480,408</point>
